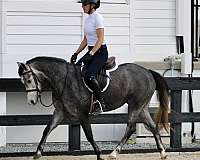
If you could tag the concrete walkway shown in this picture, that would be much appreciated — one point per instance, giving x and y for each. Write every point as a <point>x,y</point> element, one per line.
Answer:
<point>146,156</point>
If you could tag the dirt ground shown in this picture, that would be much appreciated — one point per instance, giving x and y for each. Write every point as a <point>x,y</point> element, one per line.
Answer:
<point>146,156</point>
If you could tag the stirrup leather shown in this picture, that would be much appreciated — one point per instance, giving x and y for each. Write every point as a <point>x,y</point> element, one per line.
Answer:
<point>96,108</point>
<point>99,105</point>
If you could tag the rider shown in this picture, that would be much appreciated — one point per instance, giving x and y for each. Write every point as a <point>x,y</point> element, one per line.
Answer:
<point>97,53</point>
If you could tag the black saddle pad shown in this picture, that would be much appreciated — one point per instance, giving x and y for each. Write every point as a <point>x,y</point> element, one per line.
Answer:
<point>101,77</point>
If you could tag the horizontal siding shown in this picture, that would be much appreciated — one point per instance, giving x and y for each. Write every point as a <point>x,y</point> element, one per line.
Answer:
<point>59,6</point>
<point>154,52</point>
<point>41,6</point>
<point>38,39</point>
<point>55,28</point>
<point>154,29</point>
<point>40,20</point>
<point>155,40</point>
<point>155,4</point>
<point>13,39</point>
<point>155,23</point>
<point>69,30</point>
<point>155,14</point>
<point>155,32</point>
<point>149,49</point>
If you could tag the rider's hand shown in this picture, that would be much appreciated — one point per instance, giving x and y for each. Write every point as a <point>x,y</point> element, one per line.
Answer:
<point>73,58</point>
<point>87,58</point>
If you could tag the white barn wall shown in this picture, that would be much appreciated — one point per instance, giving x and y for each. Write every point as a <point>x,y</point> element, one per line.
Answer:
<point>53,28</point>
<point>155,28</point>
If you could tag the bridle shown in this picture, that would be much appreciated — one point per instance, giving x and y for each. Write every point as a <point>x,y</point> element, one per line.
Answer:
<point>35,78</point>
<point>39,92</point>
<point>36,89</point>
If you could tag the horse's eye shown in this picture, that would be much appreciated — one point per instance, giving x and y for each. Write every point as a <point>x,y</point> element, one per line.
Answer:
<point>28,81</point>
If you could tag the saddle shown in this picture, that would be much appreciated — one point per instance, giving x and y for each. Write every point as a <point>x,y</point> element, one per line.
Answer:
<point>103,77</point>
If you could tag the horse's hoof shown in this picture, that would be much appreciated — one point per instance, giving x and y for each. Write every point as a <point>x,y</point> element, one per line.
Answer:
<point>163,155</point>
<point>37,155</point>
<point>110,157</point>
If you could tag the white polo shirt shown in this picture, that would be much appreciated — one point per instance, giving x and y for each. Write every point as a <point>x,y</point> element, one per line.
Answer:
<point>93,22</point>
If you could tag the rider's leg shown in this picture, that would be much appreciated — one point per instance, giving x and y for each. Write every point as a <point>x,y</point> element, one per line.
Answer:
<point>94,84</point>
<point>99,60</point>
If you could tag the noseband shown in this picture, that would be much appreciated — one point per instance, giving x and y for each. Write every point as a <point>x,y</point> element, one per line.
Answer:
<point>35,78</point>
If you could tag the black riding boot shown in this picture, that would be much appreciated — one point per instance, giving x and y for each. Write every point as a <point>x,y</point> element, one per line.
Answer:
<point>99,106</point>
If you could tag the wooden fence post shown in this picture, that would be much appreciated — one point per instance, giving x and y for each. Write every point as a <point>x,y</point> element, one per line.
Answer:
<point>74,137</point>
<point>175,133</point>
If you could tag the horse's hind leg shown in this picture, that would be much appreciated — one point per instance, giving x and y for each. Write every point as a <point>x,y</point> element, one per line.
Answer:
<point>130,129</point>
<point>56,119</point>
<point>88,133</point>
<point>146,117</point>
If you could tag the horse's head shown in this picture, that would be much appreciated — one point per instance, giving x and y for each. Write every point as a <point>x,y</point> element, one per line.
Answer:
<point>31,81</point>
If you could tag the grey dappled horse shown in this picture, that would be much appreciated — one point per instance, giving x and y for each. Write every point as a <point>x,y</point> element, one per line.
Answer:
<point>130,84</point>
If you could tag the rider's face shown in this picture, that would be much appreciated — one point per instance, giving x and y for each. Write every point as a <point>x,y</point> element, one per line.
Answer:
<point>86,8</point>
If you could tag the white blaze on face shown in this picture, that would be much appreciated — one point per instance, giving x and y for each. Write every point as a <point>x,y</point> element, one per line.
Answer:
<point>31,83</point>
<point>32,97</point>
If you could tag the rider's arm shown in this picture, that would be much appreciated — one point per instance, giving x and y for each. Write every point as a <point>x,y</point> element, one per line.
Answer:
<point>100,40</point>
<point>82,45</point>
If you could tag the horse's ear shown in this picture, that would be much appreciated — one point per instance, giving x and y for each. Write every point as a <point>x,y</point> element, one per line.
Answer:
<point>22,65</point>
<point>21,68</point>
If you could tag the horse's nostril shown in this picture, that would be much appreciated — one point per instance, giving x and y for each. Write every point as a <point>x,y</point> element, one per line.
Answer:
<point>32,102</point>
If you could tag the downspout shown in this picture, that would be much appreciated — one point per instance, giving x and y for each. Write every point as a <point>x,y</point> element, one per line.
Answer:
<point>194,51</point>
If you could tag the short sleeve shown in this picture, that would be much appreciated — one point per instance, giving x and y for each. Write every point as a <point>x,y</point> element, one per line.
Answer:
<point>99,21</point>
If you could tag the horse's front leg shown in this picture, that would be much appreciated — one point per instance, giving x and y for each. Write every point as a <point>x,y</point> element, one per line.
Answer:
<point>56,119</point>
<point>89,135</point>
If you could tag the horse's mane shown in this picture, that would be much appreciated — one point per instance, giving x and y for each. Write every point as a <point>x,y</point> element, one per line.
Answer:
<point>46,59</point>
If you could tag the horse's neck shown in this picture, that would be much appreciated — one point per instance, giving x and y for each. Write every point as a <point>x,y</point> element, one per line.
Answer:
<point>69,76</point>
<point>74,76</point>
<point>53,74</point>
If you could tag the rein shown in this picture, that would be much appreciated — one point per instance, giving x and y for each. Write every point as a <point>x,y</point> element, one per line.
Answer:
<point>59,96</point>
<point>40,98</point>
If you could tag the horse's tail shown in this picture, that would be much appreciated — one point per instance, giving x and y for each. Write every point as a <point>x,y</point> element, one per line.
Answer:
<point>161,117</point>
